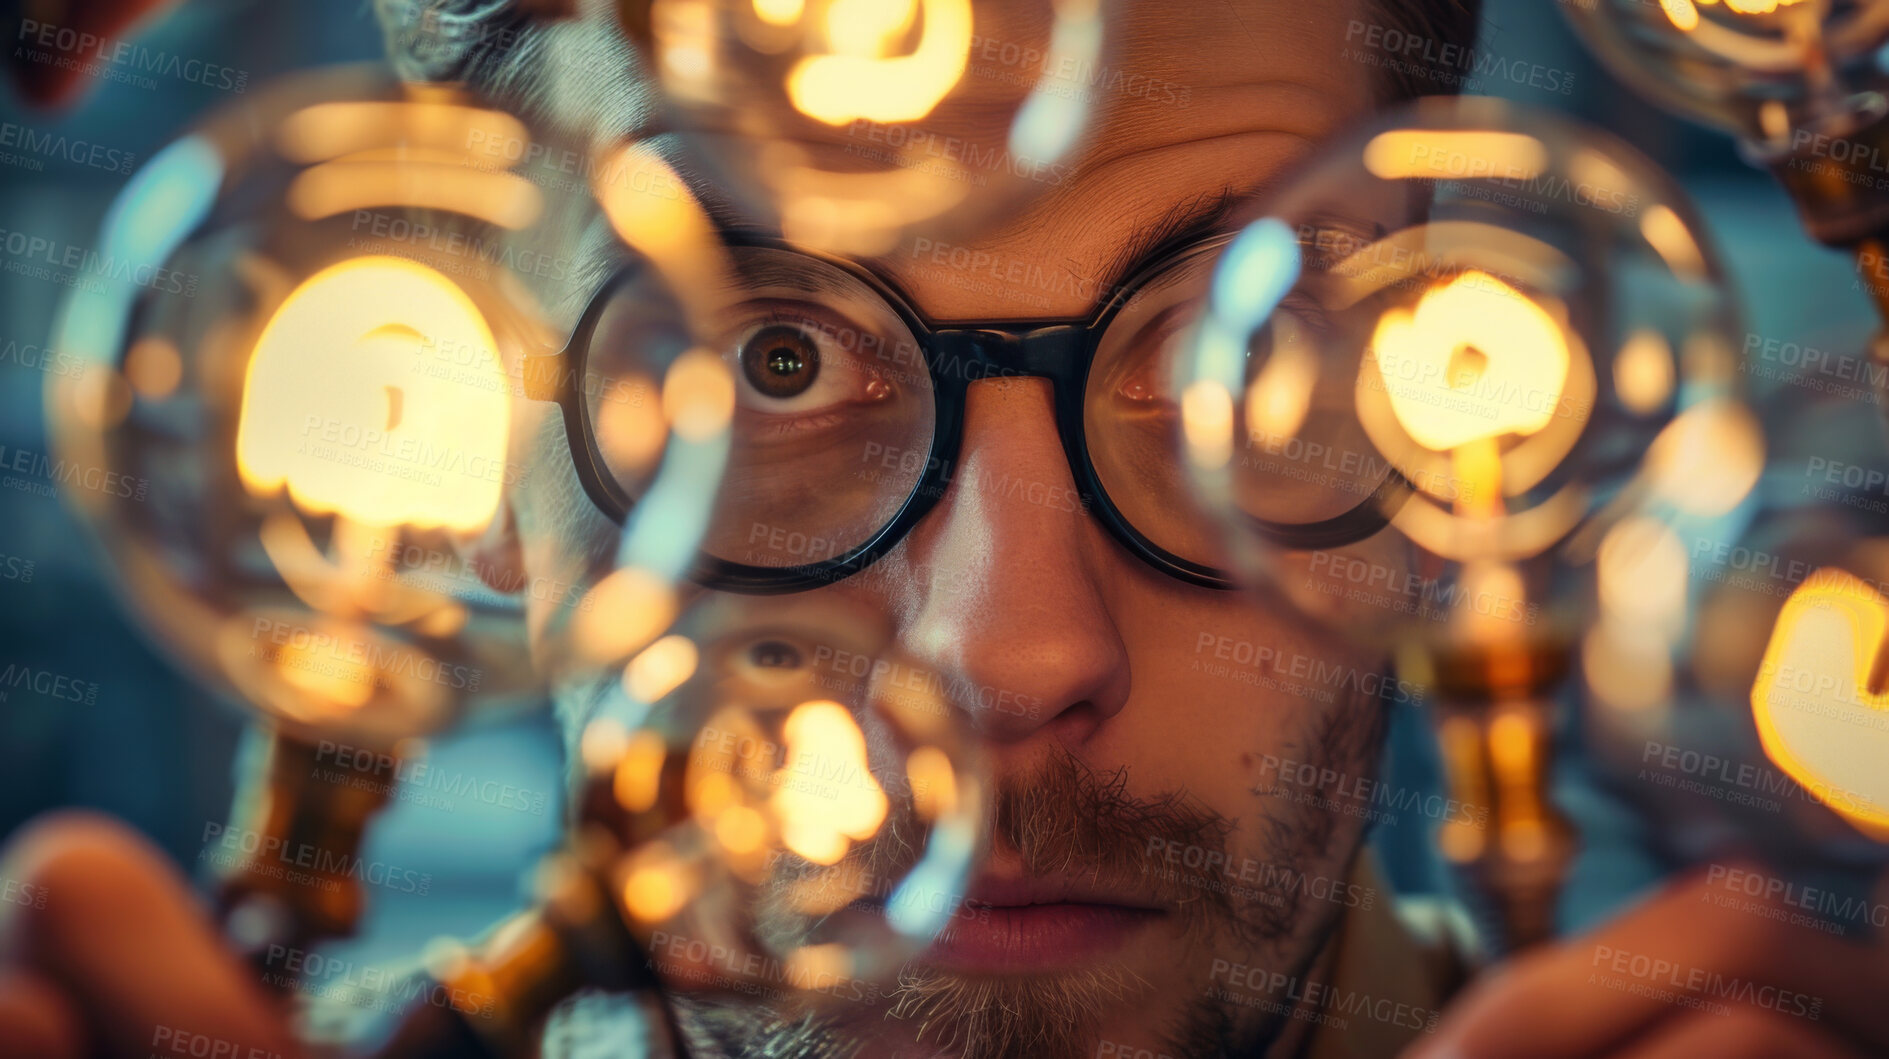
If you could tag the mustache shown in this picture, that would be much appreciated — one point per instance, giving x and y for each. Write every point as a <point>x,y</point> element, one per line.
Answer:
<point>1065,818</point>
<point>1069,818</point>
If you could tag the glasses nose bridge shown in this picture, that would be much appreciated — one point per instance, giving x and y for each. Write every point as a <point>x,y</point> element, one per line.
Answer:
<point>1011,351</point>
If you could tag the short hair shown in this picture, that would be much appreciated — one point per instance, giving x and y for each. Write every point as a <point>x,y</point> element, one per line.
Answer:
<point>1448,27</point>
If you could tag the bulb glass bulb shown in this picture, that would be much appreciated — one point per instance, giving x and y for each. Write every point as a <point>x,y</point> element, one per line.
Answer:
<point>855,123</point>
<point>1447,355</point>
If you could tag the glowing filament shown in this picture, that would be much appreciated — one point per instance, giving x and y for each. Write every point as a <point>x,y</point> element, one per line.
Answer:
<point>339,406</point>
<point>1476,360</point>
<point>859,79</point>
<point>827,795</point>
<point>1403,154</point>
<point>1814,700</point>
<point>1685,13</point>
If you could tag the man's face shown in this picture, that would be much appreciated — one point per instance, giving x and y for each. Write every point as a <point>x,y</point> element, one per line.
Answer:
<point>1142,829</point>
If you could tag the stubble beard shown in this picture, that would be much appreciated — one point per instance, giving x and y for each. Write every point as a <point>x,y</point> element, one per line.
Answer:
<point>1071,819</point>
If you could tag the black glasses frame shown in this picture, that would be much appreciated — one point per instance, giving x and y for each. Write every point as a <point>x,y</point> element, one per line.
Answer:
<point>1060,350</point>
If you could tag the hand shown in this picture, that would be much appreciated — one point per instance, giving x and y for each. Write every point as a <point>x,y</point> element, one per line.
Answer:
<point>1719,964</point>
<point>105,952</point>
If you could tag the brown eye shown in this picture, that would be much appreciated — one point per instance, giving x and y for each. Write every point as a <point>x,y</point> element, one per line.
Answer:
<point>780,361</point>
<point>774,654</point>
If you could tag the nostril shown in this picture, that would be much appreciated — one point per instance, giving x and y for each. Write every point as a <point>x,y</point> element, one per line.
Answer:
<point>1076,723</point>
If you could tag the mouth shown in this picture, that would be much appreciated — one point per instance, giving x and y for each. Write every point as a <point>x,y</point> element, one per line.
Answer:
<point>1033,924</point>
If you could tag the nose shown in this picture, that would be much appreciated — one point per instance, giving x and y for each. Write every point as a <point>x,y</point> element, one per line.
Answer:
<point>1007,599</point>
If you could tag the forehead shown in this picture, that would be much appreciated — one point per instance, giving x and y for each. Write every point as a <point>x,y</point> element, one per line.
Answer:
<point>1201,98</point>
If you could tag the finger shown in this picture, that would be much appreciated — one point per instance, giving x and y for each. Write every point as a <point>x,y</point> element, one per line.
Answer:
<point>37,1020</point>
<point>121,933</point>
<point>1741,1033</point>
<point>1592,994</point>
<point>50,48</point>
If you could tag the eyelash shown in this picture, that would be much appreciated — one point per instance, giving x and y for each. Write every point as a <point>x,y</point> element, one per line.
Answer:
<point>766,313</point>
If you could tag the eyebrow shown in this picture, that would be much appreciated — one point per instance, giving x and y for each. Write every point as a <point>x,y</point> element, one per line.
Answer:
<point>1187,223</point>
<point>1193,221</point>
<point>795,273</point>
<point>1196,220</point>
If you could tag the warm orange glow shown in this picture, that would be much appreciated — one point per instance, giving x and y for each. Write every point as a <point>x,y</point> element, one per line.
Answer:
<point>817,818</point>
<point>858,213</point>
<point>648,203</point>
<point>819,963</point>
<point>1644,372</point>
<point>712,793</point>
<point>1404,154</point>
<point>655,889</point>
<point>1682,13</point>
<point>660,668</point>
<point>741,830</point>
<point>629,430</point>
<point>1512,744</point>
<point>338,407</point>
<point>505,199</point>
<point>1673,241</point>
<point>638,775</point>
<point>1625,668</point>
<point>1685,13</point>
<point>934,783</point>
<point>779,12</point>
<point>1820,714</point>
<point>1475,361</point>
<point>363,155</point>
<point>331,130</point>
<point>332,682</point>
<point>1706,461</point>
<point>603,744</point>
<point>698,396</point>
<point>1482,579</point>
<point>626,611</point>
<point>1207,420</point>
<point>1279,397</point>
<point>861,78</point>
<point>1641,573</point>
<point>101,399</point>
<point>154,367</point>
<point>1460,740</point>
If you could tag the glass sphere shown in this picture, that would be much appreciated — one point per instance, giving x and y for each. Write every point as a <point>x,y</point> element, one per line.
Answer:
<point>1459,342</point>
<point>1760,69</point>
<point>851,124</point>
<point>306,355</point>
<point>788,808</point>
<point>1732,683</point>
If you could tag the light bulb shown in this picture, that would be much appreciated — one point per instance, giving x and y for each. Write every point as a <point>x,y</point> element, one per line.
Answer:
<point>330,414</point>
<point>852,124</point>
<point>309,451</point>
<point>1734,680</point>
<point>1459,348</point>
<point>1457,345</point>
<point>1760,69</point>
<point>784,805</point>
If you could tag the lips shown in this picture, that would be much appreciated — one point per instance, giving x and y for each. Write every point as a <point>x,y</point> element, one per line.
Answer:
<point>1032,924</point>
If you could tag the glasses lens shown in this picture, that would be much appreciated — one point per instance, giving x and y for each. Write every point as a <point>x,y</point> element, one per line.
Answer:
<point>1131,415</point>
<point>639,333</point>
<point>1300,455</point>
<point>833,410</point>
<point>1131,411</point>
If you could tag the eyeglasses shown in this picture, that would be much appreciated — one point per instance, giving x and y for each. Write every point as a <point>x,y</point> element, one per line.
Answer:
<point>850,412</point>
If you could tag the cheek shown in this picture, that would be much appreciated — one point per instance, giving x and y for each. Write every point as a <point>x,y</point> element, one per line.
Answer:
<point>1367,590</point>
<point>1221,684</point>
